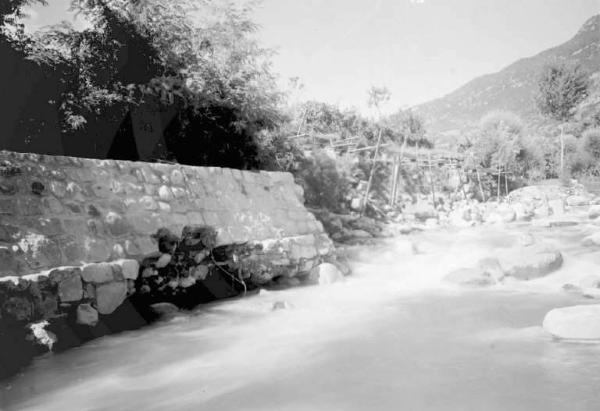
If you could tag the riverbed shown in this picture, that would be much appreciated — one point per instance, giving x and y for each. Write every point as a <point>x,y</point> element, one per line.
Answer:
<point>392,336</point>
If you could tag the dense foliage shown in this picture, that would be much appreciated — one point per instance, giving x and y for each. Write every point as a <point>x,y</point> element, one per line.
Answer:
<point>561,87</point>
<point>193,67</point>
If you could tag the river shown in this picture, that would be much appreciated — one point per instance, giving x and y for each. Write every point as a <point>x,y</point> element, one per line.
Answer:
<point>393,336</point>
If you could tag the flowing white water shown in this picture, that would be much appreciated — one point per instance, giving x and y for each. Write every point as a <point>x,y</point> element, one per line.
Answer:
<point>393,336</point>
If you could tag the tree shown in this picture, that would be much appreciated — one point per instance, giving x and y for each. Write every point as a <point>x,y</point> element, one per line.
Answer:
<point>194,65</point>
<point>406,126</point>
<point>378,96</point>
<point>497,144</point>
<point>561,87</point>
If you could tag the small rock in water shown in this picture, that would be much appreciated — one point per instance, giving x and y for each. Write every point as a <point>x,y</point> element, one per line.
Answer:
<point>580,322</point>
<point>571,288</point>
<point>594,212</point>
<point>590,292</point>
<point>282,305</point>
<point>526,263</point>
<point>472,277</point>
<point>164,308</point>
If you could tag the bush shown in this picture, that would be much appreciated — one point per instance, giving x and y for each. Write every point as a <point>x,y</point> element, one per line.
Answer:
<point>530,162</point>
<point>324,185</point>
<point>277,152</point>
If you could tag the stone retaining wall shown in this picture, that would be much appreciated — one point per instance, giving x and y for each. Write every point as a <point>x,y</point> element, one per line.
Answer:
<point>57,211</point>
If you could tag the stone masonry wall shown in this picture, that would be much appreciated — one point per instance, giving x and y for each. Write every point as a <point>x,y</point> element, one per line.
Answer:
<point>60,211</point>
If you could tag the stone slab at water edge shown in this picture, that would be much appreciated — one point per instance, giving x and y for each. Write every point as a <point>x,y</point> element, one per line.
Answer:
<point>580,322</point>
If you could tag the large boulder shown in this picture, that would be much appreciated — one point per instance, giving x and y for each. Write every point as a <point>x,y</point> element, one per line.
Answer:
<point>534,261</point>
<point>580,322</point>
<point>110,296</point>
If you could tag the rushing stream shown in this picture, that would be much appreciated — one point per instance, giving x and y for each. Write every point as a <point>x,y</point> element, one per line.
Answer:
<point>391,337</point>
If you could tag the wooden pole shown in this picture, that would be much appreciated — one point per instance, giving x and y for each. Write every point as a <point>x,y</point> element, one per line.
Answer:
<point>498,196</point>
<point>301,121</point>
<point>506,182</point>
<point>393,181</point>
<point>397,171</point>
<point>431,178</point>
<point>562,151</point>
<point>462,186</point>
<point>480,185</point>
<point>366,198</point>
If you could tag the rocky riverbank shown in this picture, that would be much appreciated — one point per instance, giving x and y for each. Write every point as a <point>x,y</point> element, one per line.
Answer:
<point>550,204</point>
<point>542,207</point>
<point>66,306</point>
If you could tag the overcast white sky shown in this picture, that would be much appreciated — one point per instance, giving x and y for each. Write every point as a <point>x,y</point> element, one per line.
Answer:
<point>419,49</point>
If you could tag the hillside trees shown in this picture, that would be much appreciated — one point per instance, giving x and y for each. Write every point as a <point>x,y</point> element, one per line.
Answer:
<point>561,87</point>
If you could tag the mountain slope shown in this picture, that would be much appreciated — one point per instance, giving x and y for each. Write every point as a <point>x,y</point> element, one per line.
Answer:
<point>512,88</point>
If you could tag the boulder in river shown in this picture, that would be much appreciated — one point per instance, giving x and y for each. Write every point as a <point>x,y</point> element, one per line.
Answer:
<point>472,277</point>
<point>487,272</point>
<point>526,263</point>
<point>164,308</point>
<point>281,305</point>
<point>590,281</point>
<point>592,240</point>
<point>580,322</point>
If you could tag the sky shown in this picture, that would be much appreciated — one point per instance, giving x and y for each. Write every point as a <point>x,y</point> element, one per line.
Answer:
<point>418,49</point>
